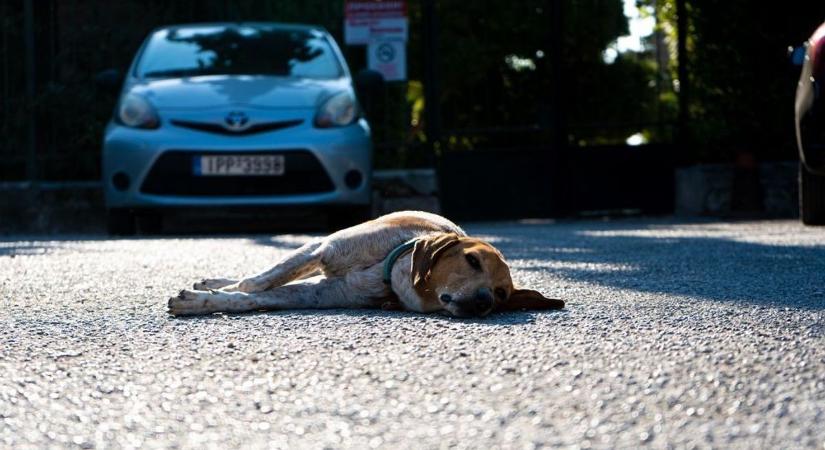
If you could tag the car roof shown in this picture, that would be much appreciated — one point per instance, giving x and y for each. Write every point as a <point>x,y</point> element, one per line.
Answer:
<point>280,25</point>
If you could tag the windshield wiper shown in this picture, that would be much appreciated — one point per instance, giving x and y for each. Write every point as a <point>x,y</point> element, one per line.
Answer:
<point>175,73</point>
<point>179,73</point>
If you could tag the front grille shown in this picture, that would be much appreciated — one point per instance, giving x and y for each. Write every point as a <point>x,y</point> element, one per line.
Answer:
<point>220,129</point>
<point>172,175</point>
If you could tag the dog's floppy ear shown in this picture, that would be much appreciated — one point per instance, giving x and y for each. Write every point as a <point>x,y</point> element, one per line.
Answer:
<point>528,299</point>
<point>426,252</point>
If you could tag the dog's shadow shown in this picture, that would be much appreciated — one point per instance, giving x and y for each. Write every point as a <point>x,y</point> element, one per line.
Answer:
<point>508,318</point>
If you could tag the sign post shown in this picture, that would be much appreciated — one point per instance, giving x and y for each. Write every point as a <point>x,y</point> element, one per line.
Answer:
<point>383,26</point>
<point>389,57</point>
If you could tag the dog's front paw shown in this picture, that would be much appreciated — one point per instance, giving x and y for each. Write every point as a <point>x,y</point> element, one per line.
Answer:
<point>191,303</point>
<point>188,303</point>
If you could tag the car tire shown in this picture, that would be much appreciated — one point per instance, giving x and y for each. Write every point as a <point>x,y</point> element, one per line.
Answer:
<point>150,223</point>
<point>120,222</point>
<point>342,217</point>
<point>811,197</point>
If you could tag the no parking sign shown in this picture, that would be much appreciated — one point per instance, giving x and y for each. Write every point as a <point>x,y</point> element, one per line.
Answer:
<point>383,26</point>
<point>366,20</point>
<point>389,57</point>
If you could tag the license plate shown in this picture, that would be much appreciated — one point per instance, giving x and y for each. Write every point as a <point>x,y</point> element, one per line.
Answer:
<point>238,165</point>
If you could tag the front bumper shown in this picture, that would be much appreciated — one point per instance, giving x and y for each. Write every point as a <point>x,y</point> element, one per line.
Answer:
<point>137,172</point>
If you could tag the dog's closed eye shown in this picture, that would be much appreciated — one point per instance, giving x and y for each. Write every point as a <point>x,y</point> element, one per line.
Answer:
<point>501,293</point>
<point>473,262</point>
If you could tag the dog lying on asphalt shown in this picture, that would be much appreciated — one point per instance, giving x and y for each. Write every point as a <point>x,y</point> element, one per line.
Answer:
<point>410,260</point>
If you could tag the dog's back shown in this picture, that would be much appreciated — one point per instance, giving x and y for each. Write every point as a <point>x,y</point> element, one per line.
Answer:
<point>369,243</point>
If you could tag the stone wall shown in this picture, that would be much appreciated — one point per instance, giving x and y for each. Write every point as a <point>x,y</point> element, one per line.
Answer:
<point>79,207</point>
<point>70,207</point>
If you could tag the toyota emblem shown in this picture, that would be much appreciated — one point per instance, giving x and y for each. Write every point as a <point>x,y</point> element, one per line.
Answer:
<point>236,120</point>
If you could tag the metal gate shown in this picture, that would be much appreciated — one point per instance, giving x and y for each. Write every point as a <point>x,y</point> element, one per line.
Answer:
<point>542,147</point>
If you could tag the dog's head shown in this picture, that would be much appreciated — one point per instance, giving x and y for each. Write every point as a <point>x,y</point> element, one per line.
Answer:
<point>469,277</point>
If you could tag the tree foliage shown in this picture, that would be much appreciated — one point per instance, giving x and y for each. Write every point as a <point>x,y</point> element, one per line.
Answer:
<point>741,82</point>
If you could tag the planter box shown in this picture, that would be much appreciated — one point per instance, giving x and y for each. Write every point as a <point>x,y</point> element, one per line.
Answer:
<point>400,190</point>
<point>769,190</point>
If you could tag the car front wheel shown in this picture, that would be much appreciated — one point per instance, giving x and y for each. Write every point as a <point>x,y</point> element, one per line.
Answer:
<point>120,222</point>
<point>811,197</point>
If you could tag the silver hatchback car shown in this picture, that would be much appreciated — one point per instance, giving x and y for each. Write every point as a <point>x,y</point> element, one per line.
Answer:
<point>226,115</point>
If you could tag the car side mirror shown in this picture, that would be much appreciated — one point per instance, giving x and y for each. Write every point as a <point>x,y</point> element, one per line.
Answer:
<point>796,55</point>
<point>368,86</point>
<point>367,82</point>
<point>109,80</point>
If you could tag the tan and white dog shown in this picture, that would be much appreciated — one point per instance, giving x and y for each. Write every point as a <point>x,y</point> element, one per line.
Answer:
<point>410,260</point>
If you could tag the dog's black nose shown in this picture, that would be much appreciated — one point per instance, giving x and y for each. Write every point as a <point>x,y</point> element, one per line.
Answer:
<point>446,298</point>
<point>485,295</point>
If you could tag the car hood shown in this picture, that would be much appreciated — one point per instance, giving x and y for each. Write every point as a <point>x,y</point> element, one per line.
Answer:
<point>220,91</point>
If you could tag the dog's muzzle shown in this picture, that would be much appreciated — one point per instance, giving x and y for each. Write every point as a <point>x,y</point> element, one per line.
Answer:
<point>477,306</point>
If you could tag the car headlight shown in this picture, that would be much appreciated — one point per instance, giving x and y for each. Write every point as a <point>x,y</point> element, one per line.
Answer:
<point>136,112</point>
<point>337,111</point>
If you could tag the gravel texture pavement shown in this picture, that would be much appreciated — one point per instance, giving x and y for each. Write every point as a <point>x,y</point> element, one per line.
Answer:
<point>699,334</point>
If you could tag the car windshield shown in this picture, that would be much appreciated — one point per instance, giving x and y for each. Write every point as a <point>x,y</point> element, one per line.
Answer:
<point>238,50</point>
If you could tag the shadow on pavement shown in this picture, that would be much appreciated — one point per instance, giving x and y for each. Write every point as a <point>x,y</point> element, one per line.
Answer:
<point>662,257</point>
<point>495,319</point>
<point>657,259</point>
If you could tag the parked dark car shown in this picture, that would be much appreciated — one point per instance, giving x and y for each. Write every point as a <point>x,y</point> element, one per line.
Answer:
<point>810,128</point>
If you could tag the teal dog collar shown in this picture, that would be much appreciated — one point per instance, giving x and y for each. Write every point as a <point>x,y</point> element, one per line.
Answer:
<point>393,257</point>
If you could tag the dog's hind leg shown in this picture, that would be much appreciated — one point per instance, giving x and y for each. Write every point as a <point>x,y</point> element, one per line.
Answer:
<point>314,293</point>
<point>301,263</point>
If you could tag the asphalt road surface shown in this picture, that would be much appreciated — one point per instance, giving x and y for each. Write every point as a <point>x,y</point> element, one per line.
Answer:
<point>701,334</point>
